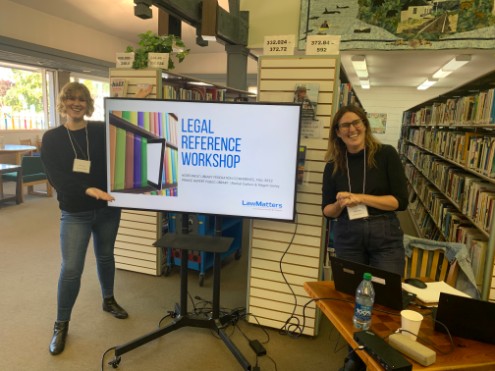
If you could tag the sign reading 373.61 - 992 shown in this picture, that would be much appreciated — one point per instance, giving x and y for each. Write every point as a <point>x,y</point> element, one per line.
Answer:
<point>323,44</point>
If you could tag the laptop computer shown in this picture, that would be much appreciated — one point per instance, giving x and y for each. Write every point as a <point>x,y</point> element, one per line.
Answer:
<point>388,285</point>
<point>466,317</point>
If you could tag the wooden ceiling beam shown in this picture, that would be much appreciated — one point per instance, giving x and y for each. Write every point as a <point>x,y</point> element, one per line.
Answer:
<point>231,28</point>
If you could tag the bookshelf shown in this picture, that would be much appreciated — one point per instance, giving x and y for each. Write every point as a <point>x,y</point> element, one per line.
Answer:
<point>449,149</point>
<point>130,136</point>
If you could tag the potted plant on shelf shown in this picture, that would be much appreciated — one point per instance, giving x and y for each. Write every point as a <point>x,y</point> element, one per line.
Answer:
<point>151,43</point>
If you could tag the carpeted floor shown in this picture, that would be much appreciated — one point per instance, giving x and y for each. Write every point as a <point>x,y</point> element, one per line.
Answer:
<point>29,268</point>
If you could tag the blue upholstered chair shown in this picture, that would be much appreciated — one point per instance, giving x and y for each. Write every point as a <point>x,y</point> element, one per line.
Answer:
<point>33,173</point>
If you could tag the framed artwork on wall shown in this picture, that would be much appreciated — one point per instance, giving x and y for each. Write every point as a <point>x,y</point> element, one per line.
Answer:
<point>406,24</point>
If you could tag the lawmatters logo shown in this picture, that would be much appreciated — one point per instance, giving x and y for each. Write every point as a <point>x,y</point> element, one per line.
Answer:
<point>262,204</point>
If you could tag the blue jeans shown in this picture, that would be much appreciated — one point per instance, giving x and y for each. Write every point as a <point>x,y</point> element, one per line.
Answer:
<point>377,241</point>
<point>76,230</point>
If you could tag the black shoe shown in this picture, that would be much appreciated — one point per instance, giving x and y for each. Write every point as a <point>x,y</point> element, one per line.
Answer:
<point>111,306</point>
<point>60,330</point>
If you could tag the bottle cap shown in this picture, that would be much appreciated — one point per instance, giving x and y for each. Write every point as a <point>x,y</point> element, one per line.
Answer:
<point>367,276</point>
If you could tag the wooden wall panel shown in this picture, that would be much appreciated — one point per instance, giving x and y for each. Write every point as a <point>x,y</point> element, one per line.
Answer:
<point>292,252</point>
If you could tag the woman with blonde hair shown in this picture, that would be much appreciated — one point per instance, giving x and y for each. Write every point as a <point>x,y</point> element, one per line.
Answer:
<point>74,158</point>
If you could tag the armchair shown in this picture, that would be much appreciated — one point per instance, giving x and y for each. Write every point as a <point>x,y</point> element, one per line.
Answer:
<point>33,173</point>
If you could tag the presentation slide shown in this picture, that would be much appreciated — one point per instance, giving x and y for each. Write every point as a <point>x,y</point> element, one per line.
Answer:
<point>220,158</point>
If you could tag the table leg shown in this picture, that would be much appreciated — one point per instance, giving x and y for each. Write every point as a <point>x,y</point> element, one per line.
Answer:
<point>18,187</point>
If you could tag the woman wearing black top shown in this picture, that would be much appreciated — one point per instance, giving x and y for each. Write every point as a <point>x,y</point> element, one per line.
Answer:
<point>74,158</point>
<point>363,185</point>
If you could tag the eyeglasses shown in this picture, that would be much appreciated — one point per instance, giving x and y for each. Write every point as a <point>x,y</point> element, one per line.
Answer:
<point>347,125</point>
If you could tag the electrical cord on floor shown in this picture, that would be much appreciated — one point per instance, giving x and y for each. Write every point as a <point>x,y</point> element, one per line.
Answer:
<point>256,345</point>
<point>289,328</point>
<point>115,361</point>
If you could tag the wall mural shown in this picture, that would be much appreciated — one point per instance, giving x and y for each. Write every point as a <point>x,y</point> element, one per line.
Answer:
<point>401,24</point>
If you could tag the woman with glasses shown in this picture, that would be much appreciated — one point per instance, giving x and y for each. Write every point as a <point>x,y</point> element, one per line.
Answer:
<point>363,185</point>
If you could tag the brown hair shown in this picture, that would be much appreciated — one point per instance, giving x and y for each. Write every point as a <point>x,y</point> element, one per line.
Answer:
<point>337,149</point>
<point>72,89</point>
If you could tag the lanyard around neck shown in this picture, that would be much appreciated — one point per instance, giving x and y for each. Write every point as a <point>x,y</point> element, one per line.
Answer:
<point>72,143</point>
<point>349,175</point>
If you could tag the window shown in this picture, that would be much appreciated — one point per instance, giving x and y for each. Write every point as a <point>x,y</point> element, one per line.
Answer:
<point>99,89</point>
<point>28,97</point>
<point>23,93</point>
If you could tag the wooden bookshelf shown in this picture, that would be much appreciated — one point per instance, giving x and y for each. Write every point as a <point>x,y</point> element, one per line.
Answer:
<point>448,144</point>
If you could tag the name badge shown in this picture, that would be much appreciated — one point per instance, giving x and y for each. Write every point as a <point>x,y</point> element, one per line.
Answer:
<point>81,166</point>
<point>357,212</point>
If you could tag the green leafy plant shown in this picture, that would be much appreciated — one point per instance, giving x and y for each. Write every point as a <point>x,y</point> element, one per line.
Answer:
<point>150,42</point>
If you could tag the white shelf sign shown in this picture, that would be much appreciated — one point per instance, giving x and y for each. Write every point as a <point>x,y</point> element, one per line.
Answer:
<point>323,45</point>
<point>279,45</point>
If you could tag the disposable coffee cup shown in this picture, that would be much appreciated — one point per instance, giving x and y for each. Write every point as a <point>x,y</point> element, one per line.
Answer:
<point>410,322</point>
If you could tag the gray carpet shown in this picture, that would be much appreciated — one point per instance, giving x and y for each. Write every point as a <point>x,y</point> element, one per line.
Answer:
<point>29,268</point>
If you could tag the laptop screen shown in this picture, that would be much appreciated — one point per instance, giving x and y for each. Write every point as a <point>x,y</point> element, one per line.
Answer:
<point>466,317</point>
<point>388,285</point>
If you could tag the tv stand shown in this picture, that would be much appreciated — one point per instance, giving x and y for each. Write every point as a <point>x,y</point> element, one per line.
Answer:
<point>214,244</point>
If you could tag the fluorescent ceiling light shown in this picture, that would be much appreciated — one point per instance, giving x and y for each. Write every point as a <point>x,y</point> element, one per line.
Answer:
<point>365,83</point>
<point>359,62</point>
<point>427,84</point>
<point>451,66</point>
<point>362,74</point>
<point>361,69</point>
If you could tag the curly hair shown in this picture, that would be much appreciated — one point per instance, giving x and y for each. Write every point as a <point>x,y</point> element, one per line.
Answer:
<point>71,90</point>
<point>336,150</point>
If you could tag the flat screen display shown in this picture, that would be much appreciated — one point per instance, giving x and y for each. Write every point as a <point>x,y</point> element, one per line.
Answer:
<point>219,158</point>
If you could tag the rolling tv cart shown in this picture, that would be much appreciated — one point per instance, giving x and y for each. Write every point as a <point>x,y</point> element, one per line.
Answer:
<point>216,245</point>
<point>200,224</point>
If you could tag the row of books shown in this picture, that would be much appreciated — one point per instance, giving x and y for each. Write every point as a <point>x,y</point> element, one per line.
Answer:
<point>437,219</point>
<point>196,93</point>
<point>128,159</point>
<point>476,109</point>
<point>346,95</point>
<point>473,150</point>
<point>129,163</point>
<point>158,124</point>
<point>468,193</point>
<point>424,223</point>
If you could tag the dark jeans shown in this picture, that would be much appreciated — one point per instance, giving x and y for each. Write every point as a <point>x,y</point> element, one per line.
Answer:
<point>76,230</point>
<point>377,241</point>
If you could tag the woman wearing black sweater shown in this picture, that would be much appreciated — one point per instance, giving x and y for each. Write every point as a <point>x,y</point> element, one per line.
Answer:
<point>363,186</point>
<point>74,158</point>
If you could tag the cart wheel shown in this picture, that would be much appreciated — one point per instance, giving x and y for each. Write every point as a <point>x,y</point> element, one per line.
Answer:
<point>201,279</point>
<point>237,254</point>
<point>115,362</point>
<point>167,271</point>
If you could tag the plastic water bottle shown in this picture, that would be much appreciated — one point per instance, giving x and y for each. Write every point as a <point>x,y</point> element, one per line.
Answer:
<point>365,297</point>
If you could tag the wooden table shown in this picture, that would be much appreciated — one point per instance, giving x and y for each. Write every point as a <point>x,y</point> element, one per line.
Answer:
<point>6,168</point>
<point>339,308</point>
<point>17,150</point>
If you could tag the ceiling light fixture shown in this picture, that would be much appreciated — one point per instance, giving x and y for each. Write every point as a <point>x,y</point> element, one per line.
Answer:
<point>361,69</point>
<point>427,84</point>
<point>365,83</point>
<point>452,65</point>
<point>359,64</point>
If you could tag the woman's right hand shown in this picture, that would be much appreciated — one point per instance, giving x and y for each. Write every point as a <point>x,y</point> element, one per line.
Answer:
<point>99,194</point>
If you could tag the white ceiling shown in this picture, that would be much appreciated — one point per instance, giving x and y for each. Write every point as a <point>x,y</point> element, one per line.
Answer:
<point>387,68</point>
